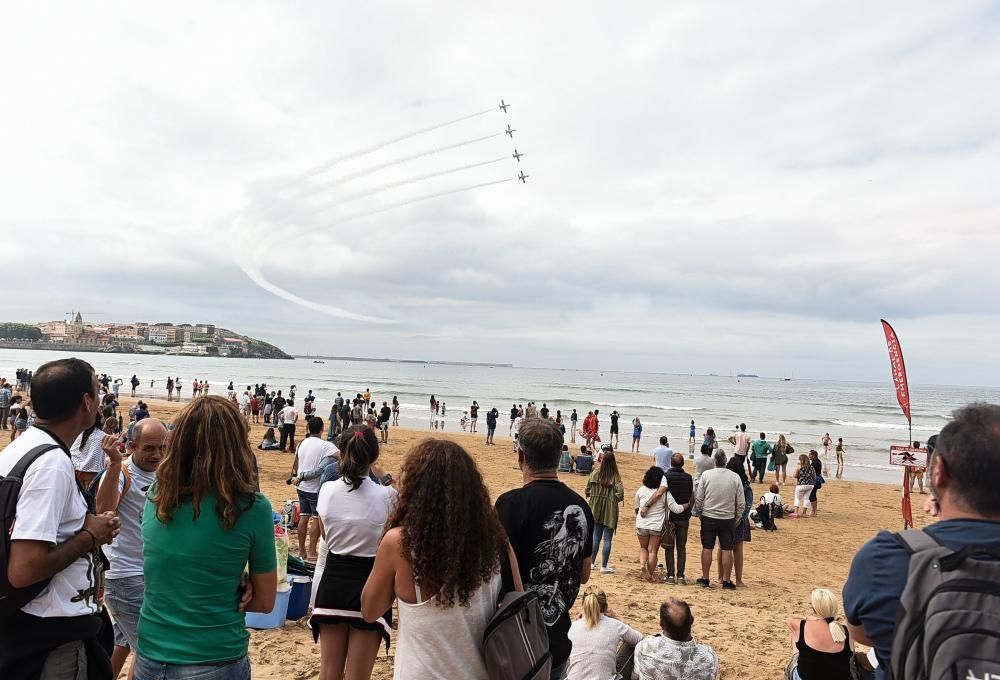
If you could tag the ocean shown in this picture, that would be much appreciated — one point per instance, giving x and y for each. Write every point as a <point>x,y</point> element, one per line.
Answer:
<point>864,414</point>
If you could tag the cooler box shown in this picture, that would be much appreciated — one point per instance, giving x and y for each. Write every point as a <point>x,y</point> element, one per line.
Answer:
<point>276,618</point>
<point>298,602</point>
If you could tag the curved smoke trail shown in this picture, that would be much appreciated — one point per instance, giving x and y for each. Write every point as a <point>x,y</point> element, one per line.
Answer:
<point>248,254</point>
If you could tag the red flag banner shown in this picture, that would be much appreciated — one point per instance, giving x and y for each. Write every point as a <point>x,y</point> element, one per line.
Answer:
<point>898,369</point>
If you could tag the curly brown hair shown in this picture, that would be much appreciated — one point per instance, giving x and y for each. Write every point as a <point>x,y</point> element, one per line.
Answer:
<point>207,451</point>
<point>451,534</point>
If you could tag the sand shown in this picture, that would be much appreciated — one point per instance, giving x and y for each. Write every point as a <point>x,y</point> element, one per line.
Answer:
<point>746,627</point>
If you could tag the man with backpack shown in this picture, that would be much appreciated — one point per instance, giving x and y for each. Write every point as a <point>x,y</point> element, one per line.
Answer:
<point>551,530</point>
<point>51,621</point>
<point>122,490</point>
<point>939,583</point>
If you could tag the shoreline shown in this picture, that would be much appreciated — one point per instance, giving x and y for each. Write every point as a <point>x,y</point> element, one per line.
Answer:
<point>869,475</point>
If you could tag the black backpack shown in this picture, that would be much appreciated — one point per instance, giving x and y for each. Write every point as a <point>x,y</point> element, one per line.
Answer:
<point>12,599</point>
<point>947,622</point>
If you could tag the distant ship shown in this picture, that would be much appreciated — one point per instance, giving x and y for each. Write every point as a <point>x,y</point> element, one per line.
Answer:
<point>317,361</point>
<point>747,375</point>
<point>787,379</point>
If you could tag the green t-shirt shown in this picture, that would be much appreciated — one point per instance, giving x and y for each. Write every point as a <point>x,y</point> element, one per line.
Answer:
<point>761,448</point>
<point>192,575</point>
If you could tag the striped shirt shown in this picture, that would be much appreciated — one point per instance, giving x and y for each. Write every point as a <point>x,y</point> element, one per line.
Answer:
<point>660,658</point>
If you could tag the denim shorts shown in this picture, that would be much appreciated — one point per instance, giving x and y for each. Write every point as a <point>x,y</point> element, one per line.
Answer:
<point>307,502</point>
<point>153,670</point>
<point>123,596</point>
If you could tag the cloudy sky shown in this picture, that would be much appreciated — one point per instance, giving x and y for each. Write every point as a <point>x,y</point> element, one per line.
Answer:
<point>714,187</point>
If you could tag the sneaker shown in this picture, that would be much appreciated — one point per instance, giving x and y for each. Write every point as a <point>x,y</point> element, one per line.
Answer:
<point>659,565</point>
<point>703,582</point>
<point>670,579</point>
<point>728,585</point>
<point>607,570</point>
<point>682,581</point>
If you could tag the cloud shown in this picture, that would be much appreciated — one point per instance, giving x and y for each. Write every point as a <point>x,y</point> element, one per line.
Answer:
<point>712,187</point>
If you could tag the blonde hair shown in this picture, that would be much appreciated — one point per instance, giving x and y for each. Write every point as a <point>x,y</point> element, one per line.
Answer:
<point>782,444</point>
<point>824,603</point>
<point>595,603</point>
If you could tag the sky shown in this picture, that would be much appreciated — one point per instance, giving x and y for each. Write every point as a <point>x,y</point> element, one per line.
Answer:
<point>713,187</point>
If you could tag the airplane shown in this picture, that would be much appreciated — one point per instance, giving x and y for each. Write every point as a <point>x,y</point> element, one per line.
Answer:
<point>523,177</point>
<point>517,156</point>
<point>503,106</point>
<point>510,133</point>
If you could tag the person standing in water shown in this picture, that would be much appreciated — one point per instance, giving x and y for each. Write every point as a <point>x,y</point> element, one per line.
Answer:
<point>826,441</point>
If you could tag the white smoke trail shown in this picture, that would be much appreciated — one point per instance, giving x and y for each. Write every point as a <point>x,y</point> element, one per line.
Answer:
<point>332,184</point>
<point>409,180</point>
<point>389,142</point>
<point>250,247</point>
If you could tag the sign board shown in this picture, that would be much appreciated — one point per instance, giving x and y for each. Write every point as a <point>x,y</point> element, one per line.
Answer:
<point>907,456</point>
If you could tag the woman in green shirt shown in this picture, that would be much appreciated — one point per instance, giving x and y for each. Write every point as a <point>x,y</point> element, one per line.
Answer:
<point>204,522</point>
<point>605,491</point>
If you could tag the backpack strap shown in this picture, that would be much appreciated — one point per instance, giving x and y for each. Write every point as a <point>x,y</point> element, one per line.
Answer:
<point>917,540</point>
<point>506,575</point>
<point>21,468</point>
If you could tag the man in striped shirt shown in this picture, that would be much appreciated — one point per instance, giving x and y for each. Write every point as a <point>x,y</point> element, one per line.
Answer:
<point>674,654</point>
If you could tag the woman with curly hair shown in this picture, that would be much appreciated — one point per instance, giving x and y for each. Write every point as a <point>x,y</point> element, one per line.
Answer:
<point>353,510</point>
<point>442,558</point>
<point>203,522</point>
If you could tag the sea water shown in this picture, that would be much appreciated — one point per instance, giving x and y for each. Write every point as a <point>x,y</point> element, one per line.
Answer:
<point>866,415</point>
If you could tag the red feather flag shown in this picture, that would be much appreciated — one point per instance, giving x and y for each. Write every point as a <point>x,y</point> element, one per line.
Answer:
<point>898,367</point>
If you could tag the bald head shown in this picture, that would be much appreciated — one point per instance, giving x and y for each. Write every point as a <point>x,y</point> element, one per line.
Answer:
<point>677,460</point>
<point>676,619</point>
<point>148,443</point>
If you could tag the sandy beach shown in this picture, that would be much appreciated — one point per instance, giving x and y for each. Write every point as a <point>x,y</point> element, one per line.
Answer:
<point>746,627</point>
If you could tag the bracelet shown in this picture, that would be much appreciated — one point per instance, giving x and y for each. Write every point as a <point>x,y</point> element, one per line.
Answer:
<point>93,539</point>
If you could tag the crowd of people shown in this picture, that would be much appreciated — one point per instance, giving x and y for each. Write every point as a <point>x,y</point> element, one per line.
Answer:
<point>153,540</point>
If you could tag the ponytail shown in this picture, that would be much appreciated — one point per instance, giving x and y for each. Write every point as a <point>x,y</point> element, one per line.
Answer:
<point>358,450</point>
<point>824,603</point>
<point>595,602</point>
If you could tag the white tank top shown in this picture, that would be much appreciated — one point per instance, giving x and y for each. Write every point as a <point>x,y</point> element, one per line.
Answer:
<point>438,643</point>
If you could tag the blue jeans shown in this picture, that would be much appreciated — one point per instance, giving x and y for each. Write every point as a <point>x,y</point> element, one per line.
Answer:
<point>153,670</point>
<point>123,597</point>
<point>608,533</point>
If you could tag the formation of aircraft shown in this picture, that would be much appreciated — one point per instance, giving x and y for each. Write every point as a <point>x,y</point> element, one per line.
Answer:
<point>510,133</point>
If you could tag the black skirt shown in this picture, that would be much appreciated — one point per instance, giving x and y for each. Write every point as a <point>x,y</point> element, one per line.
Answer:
<point>338,598</point>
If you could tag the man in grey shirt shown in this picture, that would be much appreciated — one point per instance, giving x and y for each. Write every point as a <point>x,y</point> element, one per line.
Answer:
<point>719,501</point>
<point>662,454</point>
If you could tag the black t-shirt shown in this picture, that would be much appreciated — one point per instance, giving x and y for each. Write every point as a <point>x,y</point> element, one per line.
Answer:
<point>544,413</point>
<point>491,419</point>
<point>279,403</point>
<point>473,411</point>
<point>817,466</point>
<point>551,529</point>
<point>386,414</point>
<point>573,416</point>
<point>513,413</point>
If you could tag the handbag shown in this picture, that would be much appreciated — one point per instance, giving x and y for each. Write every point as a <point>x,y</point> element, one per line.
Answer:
<point>669,534</point>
